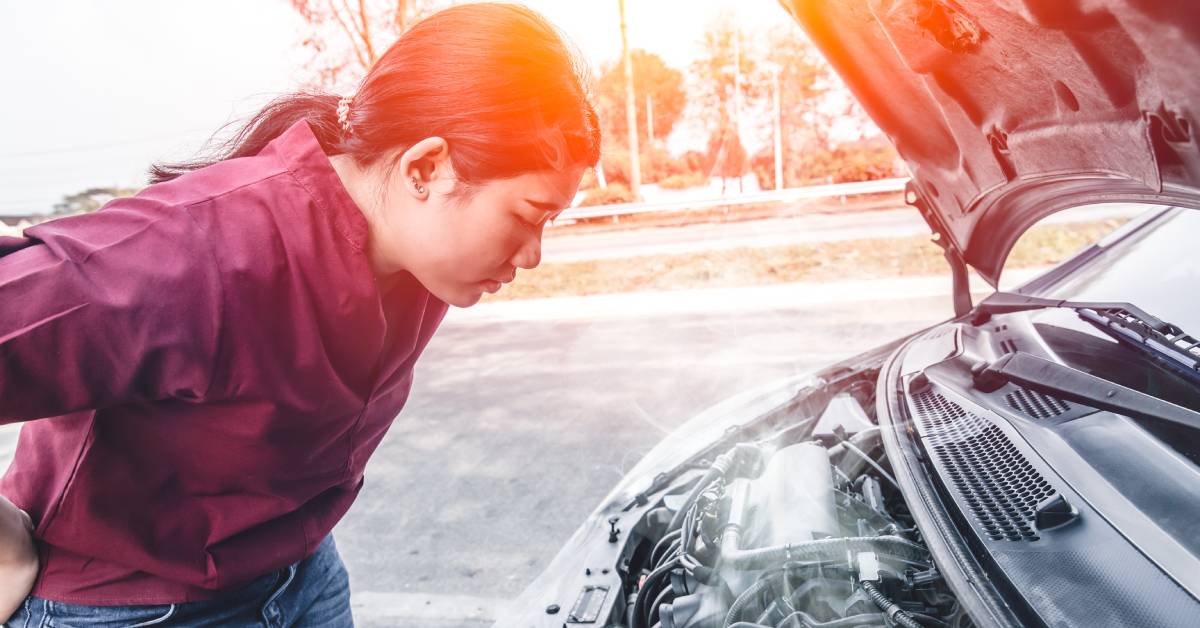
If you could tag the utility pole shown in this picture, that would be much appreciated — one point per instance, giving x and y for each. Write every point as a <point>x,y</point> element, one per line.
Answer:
<point>778,131</point>
<point>737,90</point>
<point>401,16</point>
<point>635,169</point>
<point>737,81</point>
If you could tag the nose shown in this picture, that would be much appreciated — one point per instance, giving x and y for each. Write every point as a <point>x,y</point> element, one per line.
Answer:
<point>530,253</point>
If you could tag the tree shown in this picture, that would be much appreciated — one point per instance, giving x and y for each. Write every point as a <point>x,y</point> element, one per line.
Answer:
<point>813,103</point>
<point>727,155</point>
<point>346,37</point>
<point>714,72</point>
<point>805,83</point>
<point>724,91</point>
<point>653,79</point>
<point>90,200</point>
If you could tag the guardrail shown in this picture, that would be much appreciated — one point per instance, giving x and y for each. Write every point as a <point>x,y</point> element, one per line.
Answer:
<point>775,196</point>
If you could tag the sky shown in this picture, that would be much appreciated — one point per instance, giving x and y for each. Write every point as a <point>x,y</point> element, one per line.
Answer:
<point>97,91</point>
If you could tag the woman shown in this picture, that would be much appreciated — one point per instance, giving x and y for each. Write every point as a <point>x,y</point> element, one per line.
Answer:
<point>219,355</point>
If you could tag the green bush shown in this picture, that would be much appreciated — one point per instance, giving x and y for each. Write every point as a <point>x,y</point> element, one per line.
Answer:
<point>763,167</point>
<point>614,193</point>
<point>694,161</point>
<point>684,181</point>
<point>655,164</point>
<point>853,161</point>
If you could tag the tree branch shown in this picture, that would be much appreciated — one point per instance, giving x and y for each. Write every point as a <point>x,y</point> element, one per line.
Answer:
<point>350,35</point>
<point>401,16</point>
<point>366,30</point>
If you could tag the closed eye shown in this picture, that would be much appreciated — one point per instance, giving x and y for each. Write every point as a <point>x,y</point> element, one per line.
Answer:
<point>525,220</point>
<point>549,211</point>
<point>545,216</point>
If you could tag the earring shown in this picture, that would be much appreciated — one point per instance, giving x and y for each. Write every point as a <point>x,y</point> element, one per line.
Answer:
<point>420,188</point>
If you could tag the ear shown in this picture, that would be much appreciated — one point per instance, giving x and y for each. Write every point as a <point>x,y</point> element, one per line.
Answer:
<point>425,161</point>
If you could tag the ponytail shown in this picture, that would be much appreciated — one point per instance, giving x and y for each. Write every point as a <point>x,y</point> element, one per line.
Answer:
<point>320,110</point>
<point>497,81</point>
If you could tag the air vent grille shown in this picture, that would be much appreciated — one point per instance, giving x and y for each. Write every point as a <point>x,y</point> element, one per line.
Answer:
<point>1035,404</point>
<point>1008,345</point>
<point>998,484</point>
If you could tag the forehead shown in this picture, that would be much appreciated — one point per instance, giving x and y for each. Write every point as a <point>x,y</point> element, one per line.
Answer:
<point>546,187</point>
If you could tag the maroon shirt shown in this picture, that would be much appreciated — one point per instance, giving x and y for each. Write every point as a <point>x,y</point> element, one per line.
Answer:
<point>210,364</point>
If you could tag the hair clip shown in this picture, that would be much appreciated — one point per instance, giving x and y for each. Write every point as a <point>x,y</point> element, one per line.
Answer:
<point>343,113</point>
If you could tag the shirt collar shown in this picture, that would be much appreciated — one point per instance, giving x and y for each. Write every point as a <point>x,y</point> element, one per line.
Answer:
<point>301,153</point>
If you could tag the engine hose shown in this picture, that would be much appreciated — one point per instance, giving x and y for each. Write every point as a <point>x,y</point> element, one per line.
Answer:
<point>800,619</point>
<point>639,603</point>
<point>822,549</point>
<point>689,531</point>
<point>890,608</point>
<point>852,463</point>
<point>748,597</point>
<point>663,543</point>
<point>741,455</point>
<point>708,478</point>
<point>862,455</point>
<point>672,552</point>
<point>657,604</point>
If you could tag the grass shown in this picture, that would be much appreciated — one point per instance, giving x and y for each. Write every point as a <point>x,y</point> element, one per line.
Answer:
<point>879,258</point>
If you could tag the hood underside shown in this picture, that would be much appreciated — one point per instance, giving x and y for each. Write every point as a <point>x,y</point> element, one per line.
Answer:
<point>1009,110</point>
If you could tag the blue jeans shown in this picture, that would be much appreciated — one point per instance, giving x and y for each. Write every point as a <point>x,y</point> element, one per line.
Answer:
<point>312,592</point>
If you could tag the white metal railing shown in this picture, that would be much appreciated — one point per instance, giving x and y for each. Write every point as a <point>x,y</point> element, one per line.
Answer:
<point>775,196</point>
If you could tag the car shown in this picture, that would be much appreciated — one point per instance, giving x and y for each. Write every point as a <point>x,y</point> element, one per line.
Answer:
<point>1030,461</point>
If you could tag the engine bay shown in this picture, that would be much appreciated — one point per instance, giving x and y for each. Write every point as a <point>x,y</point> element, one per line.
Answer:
<point>792,530</point>
<point>902,487</point>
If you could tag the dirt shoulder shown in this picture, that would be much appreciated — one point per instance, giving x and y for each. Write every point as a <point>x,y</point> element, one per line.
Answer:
<point>734,213</point>
<point>879,258</point>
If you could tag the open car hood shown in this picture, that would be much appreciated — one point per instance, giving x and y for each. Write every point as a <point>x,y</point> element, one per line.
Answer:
<point>1009,110</point>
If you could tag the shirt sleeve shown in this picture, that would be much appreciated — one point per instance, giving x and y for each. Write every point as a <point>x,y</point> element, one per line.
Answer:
<point>117,306</point>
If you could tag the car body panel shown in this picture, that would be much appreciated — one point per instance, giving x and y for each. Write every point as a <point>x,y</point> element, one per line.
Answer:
<point>997,458</point>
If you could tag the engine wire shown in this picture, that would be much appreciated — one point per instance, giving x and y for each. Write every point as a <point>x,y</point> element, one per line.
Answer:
<point>852,447</point>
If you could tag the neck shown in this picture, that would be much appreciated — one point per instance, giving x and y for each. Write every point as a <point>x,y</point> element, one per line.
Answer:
<point>362,184</point>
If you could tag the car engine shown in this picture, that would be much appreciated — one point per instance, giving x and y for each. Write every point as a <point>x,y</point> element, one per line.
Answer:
<point>806,533</point>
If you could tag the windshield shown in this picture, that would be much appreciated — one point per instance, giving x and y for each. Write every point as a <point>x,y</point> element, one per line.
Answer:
<point>1154,265</point>
<point>1157,268</point>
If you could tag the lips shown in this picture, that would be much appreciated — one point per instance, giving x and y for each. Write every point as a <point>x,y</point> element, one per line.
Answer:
<point>493,285</point>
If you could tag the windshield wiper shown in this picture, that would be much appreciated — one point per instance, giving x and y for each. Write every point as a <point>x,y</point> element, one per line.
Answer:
<point>1064,382</point>
<point>1124,321</point>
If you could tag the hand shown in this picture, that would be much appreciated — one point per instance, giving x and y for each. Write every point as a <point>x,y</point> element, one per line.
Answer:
<point>18,557</point>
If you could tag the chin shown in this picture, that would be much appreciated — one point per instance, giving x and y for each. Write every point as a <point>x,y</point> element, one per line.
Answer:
<point>461,298</point>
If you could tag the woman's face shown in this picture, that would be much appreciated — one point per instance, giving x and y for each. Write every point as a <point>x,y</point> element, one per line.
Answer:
<point>461,243</point>
<point>468,244</point>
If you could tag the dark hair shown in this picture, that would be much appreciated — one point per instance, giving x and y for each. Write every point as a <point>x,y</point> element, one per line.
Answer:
<point>498,82</point>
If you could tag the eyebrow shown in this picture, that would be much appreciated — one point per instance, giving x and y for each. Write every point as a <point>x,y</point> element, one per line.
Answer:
<point>544,206</point>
